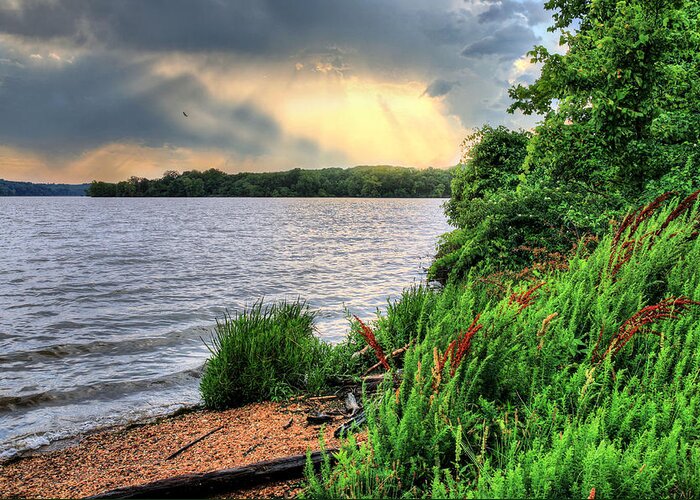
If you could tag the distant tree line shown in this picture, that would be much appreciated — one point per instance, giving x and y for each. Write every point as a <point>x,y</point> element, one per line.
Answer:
<point>363,181</point>
<point>14,188</point>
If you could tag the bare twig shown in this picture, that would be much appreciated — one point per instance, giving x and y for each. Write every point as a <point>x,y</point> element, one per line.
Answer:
<point>322,398</point>
<point>192,443</point>
<point>397,352</point>
<point>361,352</point>
<point>251,449</point>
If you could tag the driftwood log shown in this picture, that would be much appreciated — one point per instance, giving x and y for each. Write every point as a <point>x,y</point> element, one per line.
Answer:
<point>319,418</point>
<point>206,484</point>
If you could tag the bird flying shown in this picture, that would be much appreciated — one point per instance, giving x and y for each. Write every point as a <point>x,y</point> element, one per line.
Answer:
<point>186,115</point>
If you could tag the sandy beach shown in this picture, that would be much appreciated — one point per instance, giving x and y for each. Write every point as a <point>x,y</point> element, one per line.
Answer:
<point>138,454</point>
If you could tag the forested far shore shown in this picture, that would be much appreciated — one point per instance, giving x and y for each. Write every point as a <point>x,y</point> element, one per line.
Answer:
<point>16,188</point>
<point>363,181</point>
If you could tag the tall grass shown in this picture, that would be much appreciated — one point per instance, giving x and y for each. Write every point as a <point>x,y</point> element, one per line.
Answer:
<point>265,352</point>
<point>591,380</point>
<point>404,317</point>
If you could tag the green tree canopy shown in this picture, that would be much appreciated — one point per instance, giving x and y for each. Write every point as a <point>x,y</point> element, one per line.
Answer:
<point>621,107</point>
<point>492,160</point>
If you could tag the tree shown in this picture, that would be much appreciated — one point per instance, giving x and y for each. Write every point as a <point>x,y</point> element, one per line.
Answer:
<point>492,160</point>
<point>622,107</point>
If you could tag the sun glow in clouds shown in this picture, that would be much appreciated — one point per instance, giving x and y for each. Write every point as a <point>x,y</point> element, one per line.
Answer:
<point>357,119</point>
<point>265,86</point>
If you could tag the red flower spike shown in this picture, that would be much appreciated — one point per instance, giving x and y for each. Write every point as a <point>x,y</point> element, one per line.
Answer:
<point>526,298</point>
<point>464,343</point>
<point>682,207</point>
<point>632,222</point>
<point>670,308</point>
<point>371,339</point>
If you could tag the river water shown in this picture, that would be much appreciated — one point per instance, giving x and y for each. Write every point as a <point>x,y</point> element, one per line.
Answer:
<point>104,302</point>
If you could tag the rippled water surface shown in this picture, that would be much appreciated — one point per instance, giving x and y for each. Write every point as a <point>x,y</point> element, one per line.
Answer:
<point>103,302</point>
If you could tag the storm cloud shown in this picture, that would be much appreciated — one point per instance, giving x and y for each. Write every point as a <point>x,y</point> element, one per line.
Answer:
<point>78,74</point>
<point>439,88</point>
<point>508,42</point>
<point>504,10</point>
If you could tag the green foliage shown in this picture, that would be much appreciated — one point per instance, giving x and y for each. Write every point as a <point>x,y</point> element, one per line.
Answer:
<point>588,380</point>
<point>267,352</point>
<point>533,410</point>
<point>13,188</point>
<point>621,107</point>
<point>500,231</point>
<point>492,160</point>
<point>363,181</point>
<point>492,212</point>
<point>405,317</point>
<point>621,125</point>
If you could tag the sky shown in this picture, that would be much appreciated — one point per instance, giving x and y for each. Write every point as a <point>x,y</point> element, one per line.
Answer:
<point>100,89</point>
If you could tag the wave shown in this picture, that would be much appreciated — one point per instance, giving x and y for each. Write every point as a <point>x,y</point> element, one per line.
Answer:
<point>104,390</point>
<point>128,346</point>
<point>20,445</point>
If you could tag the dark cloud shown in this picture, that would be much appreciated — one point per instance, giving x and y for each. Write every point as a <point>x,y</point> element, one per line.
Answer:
<point>505,10</point>
<point>509,41</point>
<point>110,93</point>
<point>439,88</point>
<point>406,32</point>
<point>100,100</point>
<point>153,24</point>
<point>270,28</point>
<point>453,27</point>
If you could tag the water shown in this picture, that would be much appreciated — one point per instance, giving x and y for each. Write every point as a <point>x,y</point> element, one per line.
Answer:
<point>104,302</point>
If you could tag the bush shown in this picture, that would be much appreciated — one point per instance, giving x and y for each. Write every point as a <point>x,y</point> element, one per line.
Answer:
<point>492,160</point>
<point>495,228</point>
<point>265,352</point>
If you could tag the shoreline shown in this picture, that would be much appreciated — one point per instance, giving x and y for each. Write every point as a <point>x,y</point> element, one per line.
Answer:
<point>137,453</point>
<point>68,440</point>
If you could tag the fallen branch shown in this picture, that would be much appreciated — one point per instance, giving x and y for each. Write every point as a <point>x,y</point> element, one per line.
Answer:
<point>319,418</point>
<point>397,352</point>
<point>361,352</point>
<point>322,398</point>
<point>371,382</point>
<point>192,443</point>
<point>207,484</point>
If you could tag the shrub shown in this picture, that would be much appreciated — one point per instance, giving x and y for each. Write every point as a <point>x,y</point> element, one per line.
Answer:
<point>492,228</point>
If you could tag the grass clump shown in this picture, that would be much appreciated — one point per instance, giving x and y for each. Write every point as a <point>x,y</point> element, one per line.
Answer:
<point>265,352</point>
